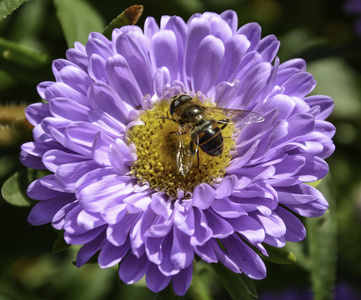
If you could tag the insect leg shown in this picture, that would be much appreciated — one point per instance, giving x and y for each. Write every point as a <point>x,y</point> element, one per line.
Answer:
<point>166,118</point>
<point>177,132</point>
<point>197,159</point>
<point>225,122</point>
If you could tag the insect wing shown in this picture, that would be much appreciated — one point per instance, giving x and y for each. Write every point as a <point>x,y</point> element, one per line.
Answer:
<point>186,151</point>
<point>237,116</point>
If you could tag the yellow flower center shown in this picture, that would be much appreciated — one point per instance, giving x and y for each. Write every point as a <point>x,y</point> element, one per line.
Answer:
<point>157,145</point>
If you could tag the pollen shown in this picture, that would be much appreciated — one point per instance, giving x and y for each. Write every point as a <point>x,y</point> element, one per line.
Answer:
<point>157,144</point>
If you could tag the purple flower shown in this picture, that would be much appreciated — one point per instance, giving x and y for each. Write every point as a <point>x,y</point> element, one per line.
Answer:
<point>115,187</point>
<point>354,7</point>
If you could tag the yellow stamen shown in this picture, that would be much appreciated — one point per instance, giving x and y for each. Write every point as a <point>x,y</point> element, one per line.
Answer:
<point>157,149</point>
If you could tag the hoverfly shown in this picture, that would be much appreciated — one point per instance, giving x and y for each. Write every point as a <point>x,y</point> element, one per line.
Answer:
<point>205,132</point>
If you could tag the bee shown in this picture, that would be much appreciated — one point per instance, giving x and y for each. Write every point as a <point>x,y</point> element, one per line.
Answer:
<point>195,121</point>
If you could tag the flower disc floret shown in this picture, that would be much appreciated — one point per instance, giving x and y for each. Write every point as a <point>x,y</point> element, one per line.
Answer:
<point>157,144</point>
<point>113,185</point>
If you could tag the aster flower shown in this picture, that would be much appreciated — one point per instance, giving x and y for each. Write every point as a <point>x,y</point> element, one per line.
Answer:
<point>114,185</point>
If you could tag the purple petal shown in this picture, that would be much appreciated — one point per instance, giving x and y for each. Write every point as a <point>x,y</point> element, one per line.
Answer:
<point>293,128</point>
<point>295,63</point>
<point>220,28</point>
<point>182,281</point>
<point>160,227</point>
<point>245,258</point>
<point>225,91</point>
<point>163,52</point>
<point>325,103</point>
<point>89,221</point>
<point>58,221</point>
<point>251,84</point>
<point>206,64</point>
<point>97,68</point>
<point>253,33</point>
<point>150,27</point>
<point>231,18</point>
<point>202,232</point>
<point>84,238</point>
<point>133,46</point>
<point>51,182</point>
<point>121,157</point>
<point>296,232</point>
<point>75,77</point>
<point>275,242</point>
<point>110,255</point>
<point>103,97</point>
<point>88,251</point>
<point>59,89</point>
<point>249,228</point>
<point>138,202</point>
<point>69,174</point>
<point>39,192</point>
<point>123,81</point>
<point>154,249</point>
<point>78,56</point>
<point>268,48</point>
<point>198,29</point>
<point>184,219</point>
<point>206,253</point>
<point>273,225</point>
<point>226,187</point>
<point>100,150</point>
<point>68,109</point>
<point>299,85</point>
<point>223,257</point>
<point>307,201</point>
<point>132,269</point>
<point>36,112</point>
<point>109,124</point>
<point>155,280</point>
<point>181,253</point>
<point>235,48</point>
<point>99,187</point>
<point>167,267</point>
<point>54,158</point>
<point>177,25</point>
<point>42,86</point>
<point>219,226</point>
<point>98,45</point>
<point>118,233</point>
<point>161,79</point>
<point>44,211</point>
<point>203,196</point>
<point>228,209</point>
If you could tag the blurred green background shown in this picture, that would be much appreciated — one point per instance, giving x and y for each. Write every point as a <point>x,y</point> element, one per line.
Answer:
<point>319,31</point>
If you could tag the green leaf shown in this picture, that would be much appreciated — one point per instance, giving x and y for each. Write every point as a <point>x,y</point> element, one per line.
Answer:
<point>77,19</point>
<point>13,190</point>
<point>322,245</point>
<point>279,256</point>
<point>128,17</point>
<point>21,55</point>
<point>24,63</point>
<point>8,6</point>
<point>60,245</point>
<point>238,286</point>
